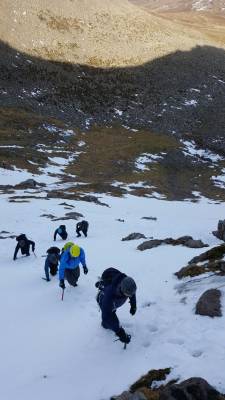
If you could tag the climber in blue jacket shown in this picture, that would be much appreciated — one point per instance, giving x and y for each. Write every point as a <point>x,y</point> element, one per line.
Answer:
<point>69,265</point>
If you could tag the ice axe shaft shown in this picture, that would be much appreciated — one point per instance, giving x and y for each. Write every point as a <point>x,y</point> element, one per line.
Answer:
<point>62,294</point>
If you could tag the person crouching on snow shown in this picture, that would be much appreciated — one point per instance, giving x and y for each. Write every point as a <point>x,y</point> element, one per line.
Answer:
<point>69,265</point>
<point>23,245</point>
<point>61,231</point>
<point>51,262</point>
<point>114,290</point>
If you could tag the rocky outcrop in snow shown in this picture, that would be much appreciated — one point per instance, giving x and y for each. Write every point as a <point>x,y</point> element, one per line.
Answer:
<point>220,233</point>
<point>209,304</point>
<point>195,269</point>
<point>191,389</point>
<point>134,236</point>
<point>216,253</point>
<point>187,241</point>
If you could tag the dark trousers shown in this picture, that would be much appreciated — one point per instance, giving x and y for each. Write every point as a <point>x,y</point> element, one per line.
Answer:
<point>72,275</point>
<point>25,250</point>
<point>53,269</point>
<point>84,231</point>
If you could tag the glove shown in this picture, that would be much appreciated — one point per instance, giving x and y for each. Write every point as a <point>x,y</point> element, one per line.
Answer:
<point>133,310</point>
<point>124,338</point>
<point>62,284</point>
<point>85,270</point>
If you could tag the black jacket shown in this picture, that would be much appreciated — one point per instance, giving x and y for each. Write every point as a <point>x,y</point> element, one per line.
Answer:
<point>23,245</point>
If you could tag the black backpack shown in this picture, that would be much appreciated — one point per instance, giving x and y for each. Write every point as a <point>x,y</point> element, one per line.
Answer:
<point>107,277</point>
<point>53,255</point>
<point>53,259</point>
<point>53,250</point>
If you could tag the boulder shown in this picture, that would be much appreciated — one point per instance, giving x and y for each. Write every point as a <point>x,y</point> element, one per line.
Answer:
<point>220,233</point>
<point>190,389</point>
<point>209,304</point>
<point>134,236</point>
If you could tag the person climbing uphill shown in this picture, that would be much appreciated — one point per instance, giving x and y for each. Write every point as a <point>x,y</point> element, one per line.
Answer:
<point>115,288</point>
<point>66,246</point>
<point>69,265</point>
<point>51,262</point>
<point>82,227</point>
<point>61,231</point>
<point>23,245</point>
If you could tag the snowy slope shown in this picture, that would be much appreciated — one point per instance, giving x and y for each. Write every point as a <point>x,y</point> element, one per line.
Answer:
<point>54,349</point>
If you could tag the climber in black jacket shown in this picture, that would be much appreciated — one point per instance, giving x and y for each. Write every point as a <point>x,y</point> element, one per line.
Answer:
<point>23,245</point>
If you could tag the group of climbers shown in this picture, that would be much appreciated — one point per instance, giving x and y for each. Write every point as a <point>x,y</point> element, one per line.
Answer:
<point>114,287</point>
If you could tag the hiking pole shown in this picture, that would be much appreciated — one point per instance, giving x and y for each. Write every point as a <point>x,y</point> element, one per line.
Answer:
<point>62,294</point>
<point>34,254</point>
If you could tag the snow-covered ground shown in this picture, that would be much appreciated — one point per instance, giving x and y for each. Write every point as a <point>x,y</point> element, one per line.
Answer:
<point>54,349</point>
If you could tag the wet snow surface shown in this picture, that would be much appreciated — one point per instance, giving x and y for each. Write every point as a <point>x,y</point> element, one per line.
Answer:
<point>54,349</point>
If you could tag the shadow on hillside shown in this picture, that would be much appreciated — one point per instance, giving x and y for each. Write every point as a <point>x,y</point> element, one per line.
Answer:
<point>181,92</point>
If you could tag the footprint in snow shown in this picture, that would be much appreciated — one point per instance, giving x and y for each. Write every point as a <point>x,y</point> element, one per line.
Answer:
<point>176,341</point>
<point>197,353</point>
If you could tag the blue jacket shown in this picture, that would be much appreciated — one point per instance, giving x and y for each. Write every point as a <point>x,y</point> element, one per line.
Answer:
<point>68,262</point>
<point>110,301</point>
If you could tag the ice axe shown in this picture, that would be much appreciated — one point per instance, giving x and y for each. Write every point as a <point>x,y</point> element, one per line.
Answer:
<point>62,297</point>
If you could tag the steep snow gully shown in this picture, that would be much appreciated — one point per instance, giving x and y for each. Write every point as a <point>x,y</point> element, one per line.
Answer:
<point>54,349</point>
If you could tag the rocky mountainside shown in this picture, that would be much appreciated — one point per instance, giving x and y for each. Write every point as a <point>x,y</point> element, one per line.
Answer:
<point>148,88</point>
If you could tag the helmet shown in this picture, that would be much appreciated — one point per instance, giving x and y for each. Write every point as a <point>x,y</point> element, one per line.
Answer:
<point>67,245</point>
<point>128,286</point>
<point>74,251</point>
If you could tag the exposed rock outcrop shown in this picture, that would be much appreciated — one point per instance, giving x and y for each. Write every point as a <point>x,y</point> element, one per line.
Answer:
<point>69,215</point>
<point>29,184</point>
<point>220,233</point>
<point>216,253</point>
<point>195,269</point>
<point>134,236</point>
<point>209,304</point>
<point>191,389</point>
<point>187,241</point>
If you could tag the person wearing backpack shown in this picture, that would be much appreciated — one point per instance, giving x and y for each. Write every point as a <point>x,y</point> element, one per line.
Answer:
<point>114,290</point>
<point>61,231</point>
<point>23,245</point>
<point>82,227</point>
<point>51,262</point>
<point>69,265</point>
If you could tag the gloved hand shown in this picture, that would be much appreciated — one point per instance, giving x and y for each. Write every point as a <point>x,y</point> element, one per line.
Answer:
<point>85,270</point>
<point>62,284</point>
<point>123,336</point>
<point>133,310</point>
